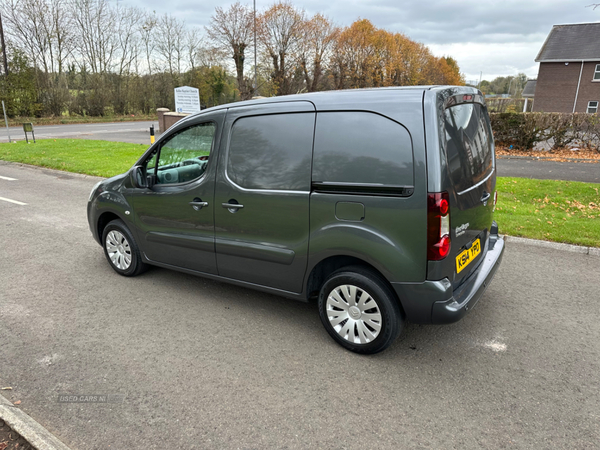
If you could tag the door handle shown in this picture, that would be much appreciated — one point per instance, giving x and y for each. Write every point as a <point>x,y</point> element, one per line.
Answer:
<point>485,197</point>
<point>232,207</point>
<point>198,204</point>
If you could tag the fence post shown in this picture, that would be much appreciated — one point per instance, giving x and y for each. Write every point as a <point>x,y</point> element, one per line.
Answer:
<point>6,121</point>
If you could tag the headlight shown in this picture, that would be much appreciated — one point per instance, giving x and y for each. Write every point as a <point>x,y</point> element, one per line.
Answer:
<point>94,190</point>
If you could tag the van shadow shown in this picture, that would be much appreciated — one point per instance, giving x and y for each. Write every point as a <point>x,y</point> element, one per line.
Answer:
<point>301,319</point>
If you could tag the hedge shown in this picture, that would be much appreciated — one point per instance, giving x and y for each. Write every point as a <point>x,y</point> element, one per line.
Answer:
<point>524,130</point>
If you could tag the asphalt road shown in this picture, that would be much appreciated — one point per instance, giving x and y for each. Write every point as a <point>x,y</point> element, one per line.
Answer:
<point>548,170</point>
<point>202,364</point>
<point>135,132</point>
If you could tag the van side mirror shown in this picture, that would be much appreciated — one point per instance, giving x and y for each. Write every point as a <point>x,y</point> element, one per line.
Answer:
<point>137,177</point>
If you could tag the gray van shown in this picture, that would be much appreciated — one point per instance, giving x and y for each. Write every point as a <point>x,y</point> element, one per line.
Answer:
<point>378,202</point>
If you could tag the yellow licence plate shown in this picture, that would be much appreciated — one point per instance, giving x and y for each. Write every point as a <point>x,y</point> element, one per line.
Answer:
<point>465,257</point>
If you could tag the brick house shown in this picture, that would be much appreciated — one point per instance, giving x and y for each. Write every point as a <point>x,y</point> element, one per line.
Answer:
<point>569,75</point>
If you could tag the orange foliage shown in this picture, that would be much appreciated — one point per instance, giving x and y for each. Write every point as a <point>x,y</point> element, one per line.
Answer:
<point>365,56</point>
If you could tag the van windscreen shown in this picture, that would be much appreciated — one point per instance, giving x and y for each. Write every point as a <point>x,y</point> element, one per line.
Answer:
<point>468,144</point>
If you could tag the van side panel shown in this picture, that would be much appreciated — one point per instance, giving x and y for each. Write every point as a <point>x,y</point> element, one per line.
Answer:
<point>387,237</point>
<point>392,234</point>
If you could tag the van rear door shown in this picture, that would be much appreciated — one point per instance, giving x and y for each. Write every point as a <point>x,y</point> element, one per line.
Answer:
<point>471,181</point>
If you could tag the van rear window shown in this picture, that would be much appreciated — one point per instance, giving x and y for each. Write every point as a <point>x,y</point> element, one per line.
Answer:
<point>468,144</point>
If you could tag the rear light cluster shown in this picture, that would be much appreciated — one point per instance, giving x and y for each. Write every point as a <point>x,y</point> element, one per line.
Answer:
<point>438,226</point>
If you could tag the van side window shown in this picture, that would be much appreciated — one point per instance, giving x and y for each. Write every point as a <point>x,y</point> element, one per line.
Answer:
<point>271,152</point>
<point>184,156</point>
<point>362,148</point>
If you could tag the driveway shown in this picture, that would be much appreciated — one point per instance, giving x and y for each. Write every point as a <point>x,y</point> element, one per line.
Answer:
<point>195,363</point>
<point>548,170</point>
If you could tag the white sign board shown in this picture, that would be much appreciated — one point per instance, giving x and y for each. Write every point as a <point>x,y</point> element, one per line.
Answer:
<point>187,100</point>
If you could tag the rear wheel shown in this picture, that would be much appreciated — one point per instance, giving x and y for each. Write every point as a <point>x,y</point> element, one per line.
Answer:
<point>121,250</point>
<point>359,310</point>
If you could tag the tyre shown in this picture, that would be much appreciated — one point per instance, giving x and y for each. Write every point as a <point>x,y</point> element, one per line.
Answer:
<point>359,310</point>
<point>121,250</point>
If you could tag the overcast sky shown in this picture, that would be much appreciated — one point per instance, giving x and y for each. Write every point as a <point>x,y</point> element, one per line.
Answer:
<point>499,38</point>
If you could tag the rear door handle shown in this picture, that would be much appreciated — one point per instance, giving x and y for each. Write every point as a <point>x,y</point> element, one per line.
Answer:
<point>485,197</point>
<point>232,207</point>
<point>198,204</point>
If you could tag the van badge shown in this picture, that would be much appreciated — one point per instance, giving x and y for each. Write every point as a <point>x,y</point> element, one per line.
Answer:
<point>461,230</point>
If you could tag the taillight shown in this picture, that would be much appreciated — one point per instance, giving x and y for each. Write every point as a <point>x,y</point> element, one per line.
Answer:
<point>495,197</point>
<point>438,226</point>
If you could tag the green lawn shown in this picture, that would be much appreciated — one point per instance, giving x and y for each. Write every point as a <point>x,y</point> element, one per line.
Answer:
<point>101,158</point>
<point>560,211</point>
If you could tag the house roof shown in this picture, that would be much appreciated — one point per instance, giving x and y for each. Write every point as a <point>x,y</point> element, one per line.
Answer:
<point>571,42</point>
<point>529,89</point>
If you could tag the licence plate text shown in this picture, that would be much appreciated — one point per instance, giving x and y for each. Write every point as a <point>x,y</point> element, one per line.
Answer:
<point>465,257</point>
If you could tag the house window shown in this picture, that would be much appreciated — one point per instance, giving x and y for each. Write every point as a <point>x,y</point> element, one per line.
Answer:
<point>597,72</point>
<point>592,107</point>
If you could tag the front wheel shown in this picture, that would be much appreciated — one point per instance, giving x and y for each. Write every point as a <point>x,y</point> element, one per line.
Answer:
<point>121,250</point>
<point>359,310</point>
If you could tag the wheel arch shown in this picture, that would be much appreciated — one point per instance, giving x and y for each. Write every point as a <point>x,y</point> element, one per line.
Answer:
<point>324,268</point>
<point>104,219</point>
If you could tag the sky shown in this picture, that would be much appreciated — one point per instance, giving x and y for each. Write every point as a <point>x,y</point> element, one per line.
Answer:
<point>498,38</point>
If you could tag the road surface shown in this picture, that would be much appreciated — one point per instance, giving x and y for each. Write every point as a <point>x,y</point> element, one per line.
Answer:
<point>134,132</point>
<point>202,364</point>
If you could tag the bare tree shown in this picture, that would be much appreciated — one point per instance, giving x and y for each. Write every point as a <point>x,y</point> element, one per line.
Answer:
<point>147,29</point>
<point>128,38</point>
<point>98,42</point>
<point>232,31</point>
<point>171,44</point>
<point>193,43</point>
<point>281,30</point>
<point>315,49</point>
<point>43,30</point>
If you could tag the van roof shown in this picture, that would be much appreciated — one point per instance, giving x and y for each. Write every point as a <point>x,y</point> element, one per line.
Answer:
<point>324,97</point>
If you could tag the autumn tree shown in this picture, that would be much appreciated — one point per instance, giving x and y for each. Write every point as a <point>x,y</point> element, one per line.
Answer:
<point>232,31</point>
<point>366,56</point>
<point>355,55</point>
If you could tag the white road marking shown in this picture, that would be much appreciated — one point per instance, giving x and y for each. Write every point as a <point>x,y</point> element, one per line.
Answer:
<point>495,345</point>
<point>12,201</point>
<point>7,178</point>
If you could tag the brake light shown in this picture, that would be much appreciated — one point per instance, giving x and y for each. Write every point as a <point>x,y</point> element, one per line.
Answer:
<point>467,98</point>
<point>438,226</point>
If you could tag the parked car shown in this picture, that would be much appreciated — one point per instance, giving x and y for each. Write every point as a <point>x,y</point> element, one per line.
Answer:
<point>379,203</point>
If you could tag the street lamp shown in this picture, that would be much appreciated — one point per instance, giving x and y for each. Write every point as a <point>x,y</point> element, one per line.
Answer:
<point>255,77</point>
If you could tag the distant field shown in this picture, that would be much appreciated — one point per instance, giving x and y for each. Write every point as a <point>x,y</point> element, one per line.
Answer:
<point>560,211</point>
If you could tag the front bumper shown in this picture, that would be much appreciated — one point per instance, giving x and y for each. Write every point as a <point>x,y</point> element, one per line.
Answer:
<point>436,302</point>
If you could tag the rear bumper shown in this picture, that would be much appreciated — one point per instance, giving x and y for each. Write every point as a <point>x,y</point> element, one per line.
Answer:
<point>436,302</point>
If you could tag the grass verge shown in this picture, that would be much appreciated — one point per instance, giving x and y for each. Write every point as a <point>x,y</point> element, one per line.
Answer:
<point>100,158</point>
<point>560,211</point>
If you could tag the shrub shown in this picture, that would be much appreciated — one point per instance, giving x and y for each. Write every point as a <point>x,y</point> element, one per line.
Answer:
<point>524,130</point>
